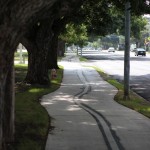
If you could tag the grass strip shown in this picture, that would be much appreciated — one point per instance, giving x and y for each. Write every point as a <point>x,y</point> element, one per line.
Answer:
<point>135,102</point>
<point>31,119</point>
<point>82,59</point>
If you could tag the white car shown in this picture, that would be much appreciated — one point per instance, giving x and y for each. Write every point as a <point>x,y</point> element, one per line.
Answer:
<point>111,49</point>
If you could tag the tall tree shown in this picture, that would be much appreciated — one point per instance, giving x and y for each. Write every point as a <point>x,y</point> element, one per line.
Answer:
<point>96,16</point>
<point>37,43</point>
<point>44,40</point>
<point>137,26</point>
<point>58,26</point>
<point>75,34</point>
<point>14,17</point>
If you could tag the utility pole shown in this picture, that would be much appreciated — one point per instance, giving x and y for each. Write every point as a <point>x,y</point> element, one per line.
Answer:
<point>127,51</point>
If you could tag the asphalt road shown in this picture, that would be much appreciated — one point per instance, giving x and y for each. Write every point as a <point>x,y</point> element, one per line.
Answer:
<point>113,64</point>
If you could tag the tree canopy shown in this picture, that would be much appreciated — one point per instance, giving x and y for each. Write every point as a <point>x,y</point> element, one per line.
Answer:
<point>18,17</point>
<point>75,34</point>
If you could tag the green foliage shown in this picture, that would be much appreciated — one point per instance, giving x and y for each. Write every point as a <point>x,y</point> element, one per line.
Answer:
<point>75,34</point>
<point>20,72</point>
<point>138,7</point>
<point>96,16</point>
<point>138,25</point>
<point>102,17</point>
<point>110,40</point>
<point>83,59</point>
<point>32,121</point>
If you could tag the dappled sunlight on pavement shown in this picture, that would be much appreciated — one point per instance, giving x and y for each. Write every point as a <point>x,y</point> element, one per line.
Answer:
<point>85,116</point>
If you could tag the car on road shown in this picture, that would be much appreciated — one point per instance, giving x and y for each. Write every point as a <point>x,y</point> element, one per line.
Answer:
<point>111,49</point>
<point>140,51</point>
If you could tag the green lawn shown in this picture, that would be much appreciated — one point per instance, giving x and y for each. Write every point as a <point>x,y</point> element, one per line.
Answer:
<point>24,57</point>
<point>31,119</point>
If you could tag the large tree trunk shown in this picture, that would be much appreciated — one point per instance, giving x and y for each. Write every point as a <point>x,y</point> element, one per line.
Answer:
<point>37,68</point>
<point>61,48</point>
<point>8,44</point>
<point>14,16</point>
<point>3,75</point>
<point>52,53</point>
<point>37,44</point>
<point>58,26</point>
<point>9,106</point>
<point>37,64</point>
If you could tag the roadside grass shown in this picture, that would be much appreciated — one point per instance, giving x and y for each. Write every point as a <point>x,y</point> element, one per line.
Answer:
<point>82,59</point>
<point>24,56</point>
<point>135,102</point>
<point>31,119</point>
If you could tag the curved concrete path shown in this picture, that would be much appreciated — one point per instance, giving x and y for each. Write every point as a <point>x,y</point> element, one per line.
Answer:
<point>85,116</point>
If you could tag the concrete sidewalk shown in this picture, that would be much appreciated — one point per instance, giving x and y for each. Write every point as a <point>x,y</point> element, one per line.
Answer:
<point>85,116</point>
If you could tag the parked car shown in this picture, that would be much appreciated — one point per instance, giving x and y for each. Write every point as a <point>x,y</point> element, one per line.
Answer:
<point>111,49</point>
<point>140,51</point>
